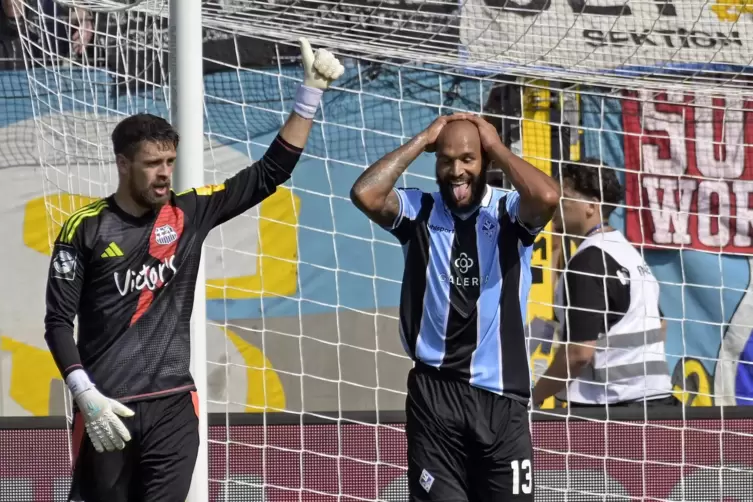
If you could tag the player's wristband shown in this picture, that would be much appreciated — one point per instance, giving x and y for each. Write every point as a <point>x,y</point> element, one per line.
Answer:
<point>78,381</point>
<point>307,100</point>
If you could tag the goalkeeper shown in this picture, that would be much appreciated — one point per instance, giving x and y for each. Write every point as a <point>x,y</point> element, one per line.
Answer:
<point>465,286</point>
<point>126,265</point>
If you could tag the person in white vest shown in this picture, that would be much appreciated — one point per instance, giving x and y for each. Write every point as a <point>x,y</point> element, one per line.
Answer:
<point>606,304</point>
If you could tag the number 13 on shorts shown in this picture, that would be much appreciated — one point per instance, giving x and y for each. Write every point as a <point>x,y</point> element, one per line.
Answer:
<point>521,477</point>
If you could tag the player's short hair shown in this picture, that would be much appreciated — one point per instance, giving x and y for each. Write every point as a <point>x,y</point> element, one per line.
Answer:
<point>132,131</point>
<point>592,179</point>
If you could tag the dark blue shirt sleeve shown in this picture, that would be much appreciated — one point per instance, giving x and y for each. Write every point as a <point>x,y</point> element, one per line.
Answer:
<point>213,205</point>
<point>65,283</point>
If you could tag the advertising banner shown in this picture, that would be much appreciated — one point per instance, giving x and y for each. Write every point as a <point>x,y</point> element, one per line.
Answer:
<point>580,34</point>
<point>670,460</point>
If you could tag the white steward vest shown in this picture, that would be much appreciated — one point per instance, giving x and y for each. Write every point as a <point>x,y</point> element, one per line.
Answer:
<point>630,361</point>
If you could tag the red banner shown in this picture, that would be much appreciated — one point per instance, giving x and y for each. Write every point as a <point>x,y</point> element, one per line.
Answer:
<point>705,460</point>
<point>689,178</point>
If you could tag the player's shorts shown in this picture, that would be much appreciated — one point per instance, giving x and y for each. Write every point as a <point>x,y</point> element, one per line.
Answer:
<point>464,443</point>
<point>155,466</point>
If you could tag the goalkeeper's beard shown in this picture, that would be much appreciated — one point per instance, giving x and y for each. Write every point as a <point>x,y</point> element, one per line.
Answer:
<point>148,198</point>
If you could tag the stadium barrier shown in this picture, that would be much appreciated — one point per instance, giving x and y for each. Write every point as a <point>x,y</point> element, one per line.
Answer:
<point>695,454</point>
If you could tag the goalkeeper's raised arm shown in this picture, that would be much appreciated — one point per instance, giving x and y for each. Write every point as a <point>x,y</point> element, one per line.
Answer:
<point>258,181</point>
<point>110,267</point>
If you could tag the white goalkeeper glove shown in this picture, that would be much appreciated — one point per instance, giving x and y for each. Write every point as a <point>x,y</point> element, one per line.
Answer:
<point>319,70</point>
<point>106,431</point>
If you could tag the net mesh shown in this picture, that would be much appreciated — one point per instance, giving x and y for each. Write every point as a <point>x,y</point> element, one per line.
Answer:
<point>302,291</point>
<point>699,44</point>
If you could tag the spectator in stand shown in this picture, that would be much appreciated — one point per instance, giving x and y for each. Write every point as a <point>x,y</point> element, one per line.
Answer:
<point>11,57</point>
<point>75,25</point>
<point>607,305</point>
<point>72,30</point>
<point>9,9</point>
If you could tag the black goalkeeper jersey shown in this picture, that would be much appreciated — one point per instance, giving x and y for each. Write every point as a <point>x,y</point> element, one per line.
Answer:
<point>130,280</point>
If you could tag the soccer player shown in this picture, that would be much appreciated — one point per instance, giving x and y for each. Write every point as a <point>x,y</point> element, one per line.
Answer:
<point>465,286</point>
<point>607,306</point>
<point>126,265</point>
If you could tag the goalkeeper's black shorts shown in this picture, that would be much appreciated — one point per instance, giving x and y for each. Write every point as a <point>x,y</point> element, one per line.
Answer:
<point>156,464</point>
<point>465,443</point>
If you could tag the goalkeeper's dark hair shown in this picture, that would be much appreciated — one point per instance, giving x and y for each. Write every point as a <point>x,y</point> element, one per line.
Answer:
<point>592,179</point>
<point>132,131</point>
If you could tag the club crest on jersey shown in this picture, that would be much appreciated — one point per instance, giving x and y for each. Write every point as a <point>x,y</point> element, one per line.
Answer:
<point>426,480</point>
<point>165,235</point>
<point>488,227</point>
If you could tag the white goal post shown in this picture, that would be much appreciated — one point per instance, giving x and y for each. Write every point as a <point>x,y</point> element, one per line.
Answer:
<point>302,375</point>
<point>187,116</point>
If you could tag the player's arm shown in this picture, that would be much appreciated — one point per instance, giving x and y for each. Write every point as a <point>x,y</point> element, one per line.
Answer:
<point>585,319</point>
<point>258,181</point>
<point>65,284</point>
<point>539,193</point>
<point>373,192</point>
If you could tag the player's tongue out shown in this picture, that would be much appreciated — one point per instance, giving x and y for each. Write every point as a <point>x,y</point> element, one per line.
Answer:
<point>461,190</point>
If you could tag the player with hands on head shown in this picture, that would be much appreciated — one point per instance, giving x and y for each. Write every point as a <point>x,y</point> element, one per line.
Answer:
<point>465,286</point>
<point>126,266</point>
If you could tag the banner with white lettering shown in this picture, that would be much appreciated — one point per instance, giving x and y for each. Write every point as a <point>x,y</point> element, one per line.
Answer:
<point>689,185</point>
<point>689,171</point>
<point>582,35</point>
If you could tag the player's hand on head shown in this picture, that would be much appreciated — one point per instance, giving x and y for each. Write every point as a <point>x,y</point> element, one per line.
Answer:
<point>432,132</point>
<point>106,430</point>
<point>487,133</point>
<point>320,68</point>
<point>435,128</point>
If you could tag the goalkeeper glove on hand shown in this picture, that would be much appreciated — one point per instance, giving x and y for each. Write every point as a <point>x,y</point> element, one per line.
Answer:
<point>106,431</point>
<point>319,71</point>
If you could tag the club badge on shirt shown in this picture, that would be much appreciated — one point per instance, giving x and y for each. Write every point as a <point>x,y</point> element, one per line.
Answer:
<point>165,235</point>
<point>426,480</point>
<point>489,227</point>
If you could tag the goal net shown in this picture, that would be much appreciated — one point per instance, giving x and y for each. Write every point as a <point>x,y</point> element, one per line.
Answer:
<point>306,371</point>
